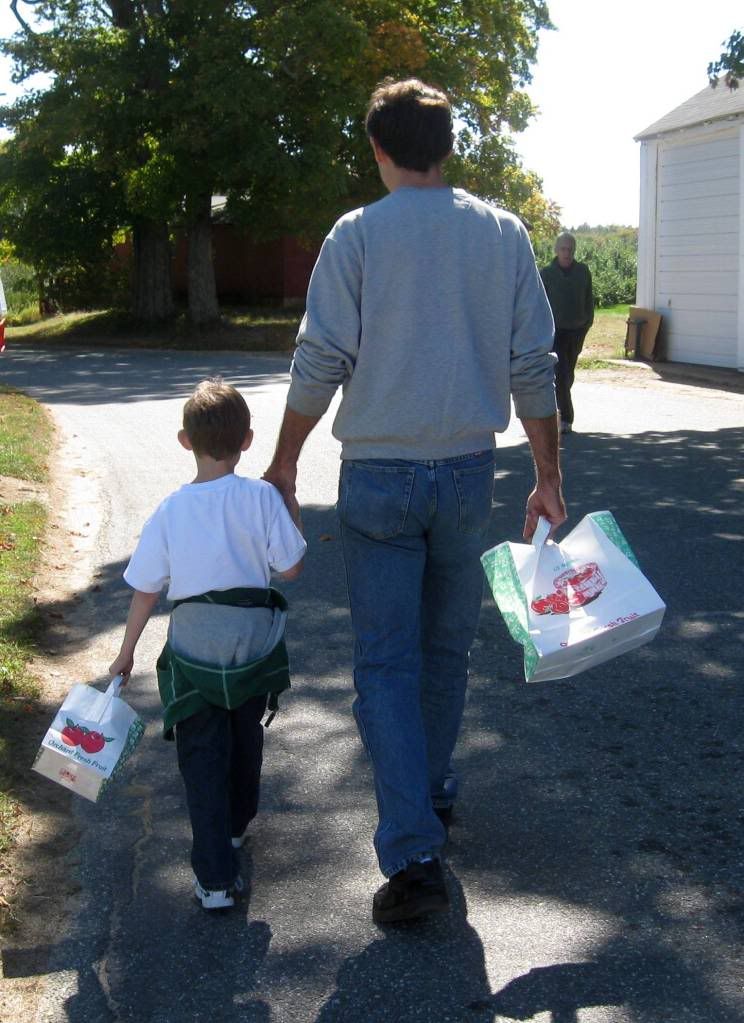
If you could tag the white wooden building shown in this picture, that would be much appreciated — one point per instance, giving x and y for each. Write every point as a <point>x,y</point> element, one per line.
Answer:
<point>691,230</point>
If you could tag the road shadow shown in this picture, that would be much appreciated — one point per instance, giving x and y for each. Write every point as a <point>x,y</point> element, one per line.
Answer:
<point>698,376</point>
<point>645,982</point>
<point>612,799</point>
<point>441,956</point>
<point>154,978</point>
<point>131,375</point>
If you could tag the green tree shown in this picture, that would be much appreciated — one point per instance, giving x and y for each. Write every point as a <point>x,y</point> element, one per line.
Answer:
<point>61,214</point>
<point>105,76</point>
<point>174,100</point>
<point>325,58</point>
<point>489,167</point>
<point>730,62</point>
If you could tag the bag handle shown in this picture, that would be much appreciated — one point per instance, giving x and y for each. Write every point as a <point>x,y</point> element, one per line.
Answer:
<point>113,690</point>
<point>542,532</point>
<point>115,685</point>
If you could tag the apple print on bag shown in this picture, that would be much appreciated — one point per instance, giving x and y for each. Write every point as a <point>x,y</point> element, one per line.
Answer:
<point>90,739</point>
<point>575,587</point>
<point>71,734</point>
<point>79,735</point>
<point>601,608</point>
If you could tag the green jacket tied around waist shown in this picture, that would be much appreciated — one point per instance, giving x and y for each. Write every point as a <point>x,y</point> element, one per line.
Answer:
<point>187,686</point>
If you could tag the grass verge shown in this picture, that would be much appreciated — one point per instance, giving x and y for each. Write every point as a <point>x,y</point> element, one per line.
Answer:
<point>25,435</point>
<point>25,438</point>
<point>238,329</point>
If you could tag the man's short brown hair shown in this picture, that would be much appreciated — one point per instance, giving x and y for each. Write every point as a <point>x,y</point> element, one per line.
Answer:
<point>216,419</point>
<point>411,122</point>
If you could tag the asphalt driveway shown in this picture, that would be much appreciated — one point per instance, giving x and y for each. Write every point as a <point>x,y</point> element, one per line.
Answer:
<point>596,865</point>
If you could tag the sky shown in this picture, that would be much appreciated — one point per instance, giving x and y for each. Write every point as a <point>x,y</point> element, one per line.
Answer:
<point>610,69</point>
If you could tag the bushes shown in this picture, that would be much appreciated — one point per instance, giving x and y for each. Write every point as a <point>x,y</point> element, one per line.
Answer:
<point>98,285</point>
<point>21,291</point>
<point>611,255</point>
<point>75,288</point>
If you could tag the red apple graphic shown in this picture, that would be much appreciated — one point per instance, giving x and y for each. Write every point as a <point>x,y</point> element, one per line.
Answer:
<point>552,604</point>
<point>559,603</point>
<point>93,742</point>
<point>72,735</point>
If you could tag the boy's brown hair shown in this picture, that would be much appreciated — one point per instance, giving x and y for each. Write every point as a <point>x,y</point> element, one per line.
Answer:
<point>412,122</point>
<point>216,419</point>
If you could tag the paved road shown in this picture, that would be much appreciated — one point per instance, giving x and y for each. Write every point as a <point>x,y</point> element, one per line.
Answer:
<point>597,864</point>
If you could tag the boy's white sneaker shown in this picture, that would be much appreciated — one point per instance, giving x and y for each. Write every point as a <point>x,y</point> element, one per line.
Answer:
<point>239,841</point>
<point>220,899</point>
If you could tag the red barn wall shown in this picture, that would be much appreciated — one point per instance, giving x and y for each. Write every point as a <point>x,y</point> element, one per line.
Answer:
<point>254,272</point>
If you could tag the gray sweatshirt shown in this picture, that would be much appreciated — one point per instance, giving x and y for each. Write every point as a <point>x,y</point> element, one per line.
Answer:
<point>428,309</point>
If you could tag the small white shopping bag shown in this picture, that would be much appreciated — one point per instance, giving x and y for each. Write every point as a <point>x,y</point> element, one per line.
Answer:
<point>574,604</point>
<point>92,736</point>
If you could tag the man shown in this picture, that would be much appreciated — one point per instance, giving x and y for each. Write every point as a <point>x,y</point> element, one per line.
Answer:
<point>569,288</point>
<point>427,307</point>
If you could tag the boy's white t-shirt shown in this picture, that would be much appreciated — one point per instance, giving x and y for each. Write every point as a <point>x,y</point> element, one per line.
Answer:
<point>215,536</point>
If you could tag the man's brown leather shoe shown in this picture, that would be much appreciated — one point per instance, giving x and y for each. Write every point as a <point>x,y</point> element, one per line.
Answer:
<point>411,893</point>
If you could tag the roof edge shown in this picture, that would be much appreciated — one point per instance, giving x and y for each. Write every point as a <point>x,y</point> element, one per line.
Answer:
<point>649,133</point>
<point>710,105</point>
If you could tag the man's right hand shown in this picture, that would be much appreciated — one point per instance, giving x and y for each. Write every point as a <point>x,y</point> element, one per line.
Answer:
<point>123,666</point>
<point>282,472</point>
<point>547,497</point>
<point>284,478</point>
<point>546,500</point>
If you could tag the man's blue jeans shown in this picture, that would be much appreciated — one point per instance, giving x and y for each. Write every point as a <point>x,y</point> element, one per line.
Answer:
<point>412,534</point>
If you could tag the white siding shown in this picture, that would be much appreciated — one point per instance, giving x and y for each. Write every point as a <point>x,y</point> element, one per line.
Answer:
<point>697,248</point>
<point>646,286</point>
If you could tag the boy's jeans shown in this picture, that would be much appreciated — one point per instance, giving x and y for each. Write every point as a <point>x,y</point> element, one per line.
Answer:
<point>219,755</point>
<point>412,534</point>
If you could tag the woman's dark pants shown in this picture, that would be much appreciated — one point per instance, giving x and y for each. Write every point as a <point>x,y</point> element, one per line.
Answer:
<point>567,346</point>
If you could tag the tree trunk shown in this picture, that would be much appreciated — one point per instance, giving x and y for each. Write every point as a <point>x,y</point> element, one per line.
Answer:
<point>153,294</point>
<point>203,305</point>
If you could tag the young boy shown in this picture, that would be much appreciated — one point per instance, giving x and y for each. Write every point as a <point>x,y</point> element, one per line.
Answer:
<point>215,542</point>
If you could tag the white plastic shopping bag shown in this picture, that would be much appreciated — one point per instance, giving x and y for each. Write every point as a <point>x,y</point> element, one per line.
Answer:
<point>90,739</point>
<point>574,604</point>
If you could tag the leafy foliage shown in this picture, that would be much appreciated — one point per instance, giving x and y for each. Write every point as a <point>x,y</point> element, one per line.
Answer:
<point>153,107</point>
<point>59,209</point>
<point>611,255</point>
<point>20,286</point>
<point>489,168</point>
<point>730,62</point>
